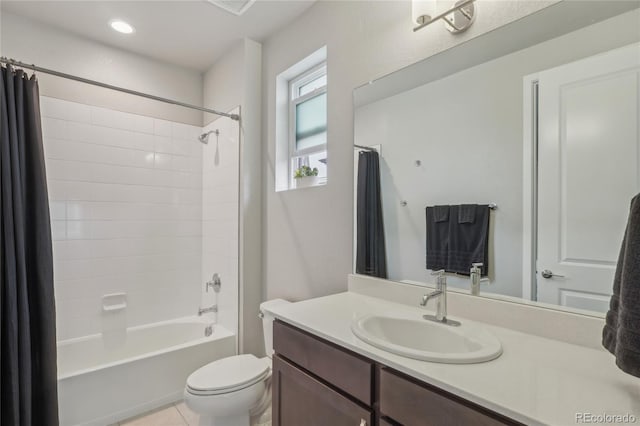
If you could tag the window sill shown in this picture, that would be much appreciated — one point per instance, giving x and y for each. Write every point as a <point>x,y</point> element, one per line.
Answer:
<point>311,184</point>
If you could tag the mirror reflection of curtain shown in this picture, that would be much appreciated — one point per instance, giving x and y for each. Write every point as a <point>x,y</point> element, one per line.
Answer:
<point>371,257</point>
<point>28,381</point>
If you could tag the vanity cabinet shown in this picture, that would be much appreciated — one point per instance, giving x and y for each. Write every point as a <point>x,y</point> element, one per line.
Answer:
<point>318,383</point>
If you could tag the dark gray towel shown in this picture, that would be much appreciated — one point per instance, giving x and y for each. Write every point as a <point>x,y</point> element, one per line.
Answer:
<point>468,239</point>
<point>437,237</point>
<point>621,334</point>
<point>441,213</point>
<point>463,239</point>
<point>467,213</point>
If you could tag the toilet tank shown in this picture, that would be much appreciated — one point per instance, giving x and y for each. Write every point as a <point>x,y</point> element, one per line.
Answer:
<point>267,323</point>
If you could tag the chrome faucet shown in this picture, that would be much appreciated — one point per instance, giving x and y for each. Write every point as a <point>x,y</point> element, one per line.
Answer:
<point>475,275</point>
<point>441,304</point>
<point>215,283</point>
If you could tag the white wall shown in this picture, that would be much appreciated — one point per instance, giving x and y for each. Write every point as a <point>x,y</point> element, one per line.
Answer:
<point>126,206</point>
<point>36,43</point>
<point>307,249</point>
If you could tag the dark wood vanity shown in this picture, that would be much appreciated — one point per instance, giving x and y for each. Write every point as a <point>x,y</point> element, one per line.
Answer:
<point>318,383</point>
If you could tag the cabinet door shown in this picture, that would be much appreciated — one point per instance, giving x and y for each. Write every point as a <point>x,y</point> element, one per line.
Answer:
<point>417,404</point>
<point>299,399</point>
<point>349,372</point>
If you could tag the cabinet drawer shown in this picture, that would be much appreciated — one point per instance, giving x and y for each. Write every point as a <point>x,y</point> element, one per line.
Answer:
<point>300,399</point>
<point>348,372</point>
<point>413,404</point>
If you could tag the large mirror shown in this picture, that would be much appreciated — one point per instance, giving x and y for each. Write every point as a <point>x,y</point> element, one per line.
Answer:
<point>538,119</point>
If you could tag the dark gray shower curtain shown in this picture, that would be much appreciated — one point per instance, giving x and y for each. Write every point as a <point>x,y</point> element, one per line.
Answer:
<point>28,383</point>
<point>371,256</point>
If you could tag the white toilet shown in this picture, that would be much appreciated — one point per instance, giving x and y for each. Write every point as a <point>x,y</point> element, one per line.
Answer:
<point>230,391</point>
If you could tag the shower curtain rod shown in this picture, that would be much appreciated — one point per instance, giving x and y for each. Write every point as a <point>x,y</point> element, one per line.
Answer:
<point>35,68</point>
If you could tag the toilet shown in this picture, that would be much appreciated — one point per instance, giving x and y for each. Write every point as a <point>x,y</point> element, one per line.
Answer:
<point>233,390</point>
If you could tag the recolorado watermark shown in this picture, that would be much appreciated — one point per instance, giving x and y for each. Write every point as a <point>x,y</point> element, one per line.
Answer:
<point>591,418</point>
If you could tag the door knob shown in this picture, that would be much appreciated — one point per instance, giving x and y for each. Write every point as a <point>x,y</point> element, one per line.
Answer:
<point>548,274</point>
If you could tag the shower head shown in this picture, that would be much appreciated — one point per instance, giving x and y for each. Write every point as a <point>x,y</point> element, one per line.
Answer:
<point>204,138</point>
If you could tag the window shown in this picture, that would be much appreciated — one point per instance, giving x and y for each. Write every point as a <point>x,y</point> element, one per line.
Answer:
<point>301,122</point>
<point>308,123</point>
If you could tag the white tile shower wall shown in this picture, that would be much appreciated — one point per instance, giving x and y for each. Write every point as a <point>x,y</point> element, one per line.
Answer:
<point>220,201</point>
<point>126,208</point>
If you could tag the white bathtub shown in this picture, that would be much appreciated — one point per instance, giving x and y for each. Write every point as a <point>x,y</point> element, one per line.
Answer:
<point>105,378</point>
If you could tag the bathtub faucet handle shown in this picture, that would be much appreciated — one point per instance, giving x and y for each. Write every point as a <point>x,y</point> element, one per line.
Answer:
<point>215,283</point>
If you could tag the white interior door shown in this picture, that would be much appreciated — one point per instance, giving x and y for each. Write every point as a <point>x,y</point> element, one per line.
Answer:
<point>588,171</point>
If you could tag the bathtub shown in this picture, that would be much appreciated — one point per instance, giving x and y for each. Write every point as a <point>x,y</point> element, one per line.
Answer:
<point>105,378</point>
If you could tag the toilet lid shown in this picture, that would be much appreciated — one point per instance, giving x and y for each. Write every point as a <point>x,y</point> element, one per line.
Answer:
<point>234,372</point>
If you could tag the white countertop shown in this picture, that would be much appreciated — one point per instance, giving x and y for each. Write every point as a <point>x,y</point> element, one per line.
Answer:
<point>535,381</point>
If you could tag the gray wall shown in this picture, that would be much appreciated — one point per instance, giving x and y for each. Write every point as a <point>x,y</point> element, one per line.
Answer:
<point>307,249</point>
<point>222,83</point>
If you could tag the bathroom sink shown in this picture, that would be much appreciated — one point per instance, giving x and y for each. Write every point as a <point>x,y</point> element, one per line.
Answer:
<point>416,338</point>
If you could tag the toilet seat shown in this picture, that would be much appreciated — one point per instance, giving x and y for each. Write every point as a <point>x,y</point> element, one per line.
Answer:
<point>228,375</point>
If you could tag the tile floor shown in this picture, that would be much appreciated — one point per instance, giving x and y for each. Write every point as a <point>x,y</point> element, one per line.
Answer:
<point>177,414</point>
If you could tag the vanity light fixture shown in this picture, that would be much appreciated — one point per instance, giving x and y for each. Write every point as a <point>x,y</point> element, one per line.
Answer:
<point>457,18</point>
<point>121,26</point>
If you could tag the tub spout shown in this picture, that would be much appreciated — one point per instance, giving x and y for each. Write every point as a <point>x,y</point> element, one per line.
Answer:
<point>212,308</point>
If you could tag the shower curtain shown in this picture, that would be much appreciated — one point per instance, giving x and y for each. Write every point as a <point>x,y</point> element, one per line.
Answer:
<point>28,381</point>
<point>371,256</point>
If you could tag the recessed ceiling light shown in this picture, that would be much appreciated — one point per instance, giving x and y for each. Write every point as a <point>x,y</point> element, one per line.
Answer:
<point>121,26</point>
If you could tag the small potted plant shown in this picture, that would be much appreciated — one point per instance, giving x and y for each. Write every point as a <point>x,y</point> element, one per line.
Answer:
<point>305,176</point>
